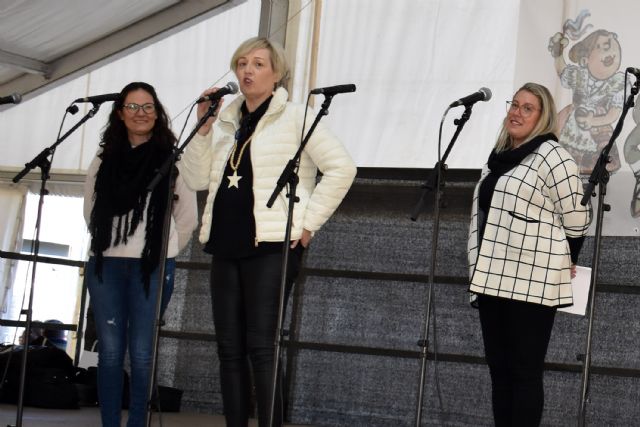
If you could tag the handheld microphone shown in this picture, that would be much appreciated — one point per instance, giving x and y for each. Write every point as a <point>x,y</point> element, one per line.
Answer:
<point>333,90</point>
<point>483,94</point>
<point>99,99</point>
<point>14,98</point>
<point>634,71</point>
<point>229,89</point>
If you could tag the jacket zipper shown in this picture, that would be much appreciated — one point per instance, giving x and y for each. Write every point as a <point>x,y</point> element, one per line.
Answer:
<point>253,177</point>
<point>259,126</point>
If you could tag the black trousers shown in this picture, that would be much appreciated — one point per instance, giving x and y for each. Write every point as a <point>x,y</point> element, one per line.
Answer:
<point>245,296</point>
<point>516,336</point>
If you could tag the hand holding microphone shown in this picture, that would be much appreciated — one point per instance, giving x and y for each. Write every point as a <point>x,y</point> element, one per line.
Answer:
<point>213,95</point>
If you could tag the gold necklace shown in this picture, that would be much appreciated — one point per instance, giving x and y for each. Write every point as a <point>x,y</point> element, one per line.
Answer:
<point>234,180</point>
<point>233,152</point>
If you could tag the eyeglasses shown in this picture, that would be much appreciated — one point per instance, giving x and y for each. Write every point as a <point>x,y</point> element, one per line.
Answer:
<point>525,110</point>
<point>147,108</point>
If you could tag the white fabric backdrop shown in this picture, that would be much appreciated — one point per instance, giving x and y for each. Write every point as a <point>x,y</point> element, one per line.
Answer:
<point>409,61</point>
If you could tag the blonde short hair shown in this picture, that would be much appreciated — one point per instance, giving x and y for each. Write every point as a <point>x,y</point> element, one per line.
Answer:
<point>547,122</point>
<point>278,59</point>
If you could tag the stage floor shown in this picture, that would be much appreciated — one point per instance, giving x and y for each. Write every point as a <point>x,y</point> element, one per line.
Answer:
<point>83,417</point>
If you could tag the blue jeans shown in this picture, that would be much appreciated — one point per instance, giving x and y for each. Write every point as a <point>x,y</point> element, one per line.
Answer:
<point>123,313</point>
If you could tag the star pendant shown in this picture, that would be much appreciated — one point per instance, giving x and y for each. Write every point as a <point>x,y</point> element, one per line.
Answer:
<point>234,179</point>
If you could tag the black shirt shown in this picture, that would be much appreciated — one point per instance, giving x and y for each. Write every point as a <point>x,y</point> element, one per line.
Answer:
<point>233,225</point>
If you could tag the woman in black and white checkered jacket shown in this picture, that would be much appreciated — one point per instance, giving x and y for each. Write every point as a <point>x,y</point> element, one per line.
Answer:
<point>526,231</point>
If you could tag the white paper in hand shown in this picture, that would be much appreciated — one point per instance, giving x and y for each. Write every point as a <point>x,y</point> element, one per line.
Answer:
<point>580,286</point>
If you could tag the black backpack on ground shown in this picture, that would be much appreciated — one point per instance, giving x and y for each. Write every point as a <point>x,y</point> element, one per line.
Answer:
<point>49,380</point>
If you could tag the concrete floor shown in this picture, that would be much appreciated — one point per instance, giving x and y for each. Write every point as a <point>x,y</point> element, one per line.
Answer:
<point>85,417</point>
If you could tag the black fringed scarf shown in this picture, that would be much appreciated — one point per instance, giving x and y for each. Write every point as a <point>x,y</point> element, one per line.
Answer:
<point>120,195</point>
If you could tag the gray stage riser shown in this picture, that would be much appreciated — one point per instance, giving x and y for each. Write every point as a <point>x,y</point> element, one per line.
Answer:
<point>371,233</point>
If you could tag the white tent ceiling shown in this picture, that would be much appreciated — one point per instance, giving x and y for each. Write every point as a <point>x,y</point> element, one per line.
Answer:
<point>42,41</point>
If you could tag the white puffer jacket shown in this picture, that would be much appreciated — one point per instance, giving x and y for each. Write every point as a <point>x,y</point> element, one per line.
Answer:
<point>275,141</point>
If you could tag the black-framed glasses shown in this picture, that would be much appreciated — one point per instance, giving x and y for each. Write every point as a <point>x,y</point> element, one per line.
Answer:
<point>526,110</point>
<point>133,108</point>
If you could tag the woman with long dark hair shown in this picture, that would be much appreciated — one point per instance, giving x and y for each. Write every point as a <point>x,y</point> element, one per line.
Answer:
<point>125,223</point>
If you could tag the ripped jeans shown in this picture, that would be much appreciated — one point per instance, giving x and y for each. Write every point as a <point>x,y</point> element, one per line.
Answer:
<point>124,315</point>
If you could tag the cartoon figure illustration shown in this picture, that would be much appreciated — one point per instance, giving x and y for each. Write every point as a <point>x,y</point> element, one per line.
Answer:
<point>598,91</point>
<point>632,156</point>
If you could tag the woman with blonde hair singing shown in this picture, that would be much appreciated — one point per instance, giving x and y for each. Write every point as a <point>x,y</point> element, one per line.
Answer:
<point>239,160</point>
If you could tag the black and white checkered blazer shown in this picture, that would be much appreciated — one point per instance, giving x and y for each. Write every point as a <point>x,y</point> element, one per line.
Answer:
<point>524,254</point>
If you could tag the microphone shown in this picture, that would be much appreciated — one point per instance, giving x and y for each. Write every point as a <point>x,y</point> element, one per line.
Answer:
<point>634,71</point>
<point>333,90</point>
<point>14,98</point>
<point>484,94</point>
<point>229,89</point>
<point>99,99</point>
<point>72,109</point>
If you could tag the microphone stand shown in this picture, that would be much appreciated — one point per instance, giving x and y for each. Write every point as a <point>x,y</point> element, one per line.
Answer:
<point>164,170</point>
<point>288,177</point>
<point>599,176</point>
<point>44,163</point>
<point>435,181</point>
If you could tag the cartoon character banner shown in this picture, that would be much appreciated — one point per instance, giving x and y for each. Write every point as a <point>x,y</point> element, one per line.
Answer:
<point>581,49</point>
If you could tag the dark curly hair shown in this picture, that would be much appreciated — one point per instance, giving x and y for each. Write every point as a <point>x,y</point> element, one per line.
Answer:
<point>114,135</point>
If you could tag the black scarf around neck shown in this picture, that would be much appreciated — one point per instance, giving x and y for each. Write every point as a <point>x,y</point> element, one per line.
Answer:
<point>500,163</point>
<point>120,195</point>
<point>504,161</point>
